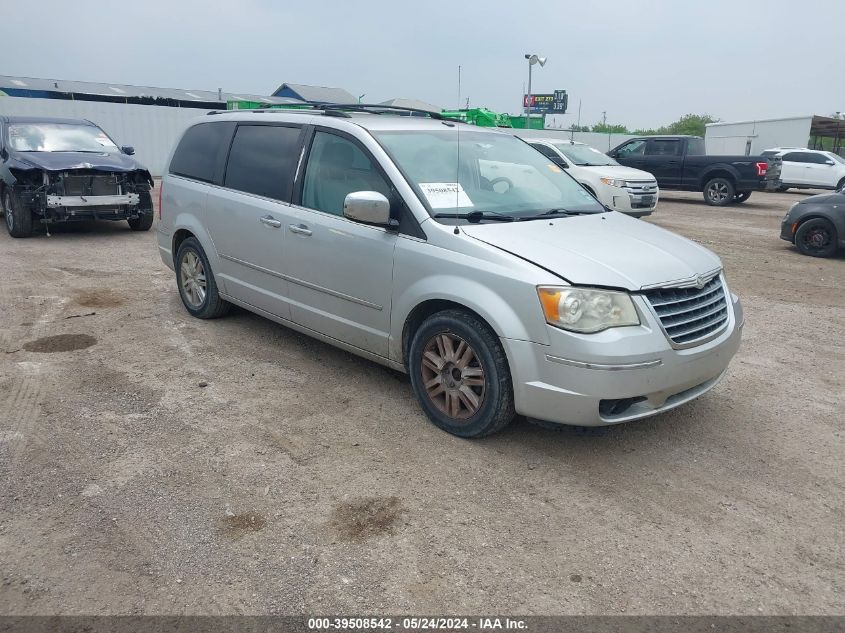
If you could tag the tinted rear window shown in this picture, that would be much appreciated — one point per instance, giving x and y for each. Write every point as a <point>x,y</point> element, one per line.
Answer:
<point>263,160</point>
<point>695,147</point>
<point>199,151</point>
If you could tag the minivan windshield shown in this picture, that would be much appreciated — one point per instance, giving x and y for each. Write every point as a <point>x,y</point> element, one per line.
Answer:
<point>584,155</point>
<point>487,175</point>
<point>59,137</point>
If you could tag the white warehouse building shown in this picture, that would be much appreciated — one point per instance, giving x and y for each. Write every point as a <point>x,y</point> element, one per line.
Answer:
<point>752,137</point>
<point>148,119</point>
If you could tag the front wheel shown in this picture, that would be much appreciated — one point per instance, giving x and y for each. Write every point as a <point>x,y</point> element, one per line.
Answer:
<point>18,216</point>
<point>197,286</point>
<point>742,196</point>
<point>719,192</point>
<point>145,218</point>
<point>460,374</point>
<point>816,238</point>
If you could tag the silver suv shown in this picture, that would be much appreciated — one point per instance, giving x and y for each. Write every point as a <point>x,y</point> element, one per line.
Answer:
<point>457,254</point>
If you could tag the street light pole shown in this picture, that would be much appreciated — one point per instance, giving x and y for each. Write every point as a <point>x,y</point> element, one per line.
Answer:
<point>532,59</point>
<point>528,98</point>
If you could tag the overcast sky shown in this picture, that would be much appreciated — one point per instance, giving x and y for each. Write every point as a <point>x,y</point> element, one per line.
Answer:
<point>645,62</point>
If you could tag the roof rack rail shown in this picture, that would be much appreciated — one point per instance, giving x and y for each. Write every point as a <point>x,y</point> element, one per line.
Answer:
<point>376,108</point>
<point>342,110</point>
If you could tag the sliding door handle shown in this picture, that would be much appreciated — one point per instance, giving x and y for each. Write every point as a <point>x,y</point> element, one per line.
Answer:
<point>269,220</point>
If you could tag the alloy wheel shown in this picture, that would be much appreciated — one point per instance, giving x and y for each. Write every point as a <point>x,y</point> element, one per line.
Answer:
<point>453,376</point>
<point>192,279</point>
<point>718,192</point>
<point>817,239</point>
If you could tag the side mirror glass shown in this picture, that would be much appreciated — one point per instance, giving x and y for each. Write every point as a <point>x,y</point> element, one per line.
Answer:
<point>128,150</point>
<point>370,207</point>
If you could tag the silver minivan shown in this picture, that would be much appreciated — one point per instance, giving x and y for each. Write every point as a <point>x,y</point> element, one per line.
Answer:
<point>457,254</point>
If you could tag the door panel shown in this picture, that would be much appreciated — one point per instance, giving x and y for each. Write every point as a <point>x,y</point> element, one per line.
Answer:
<point>340,271</point>
<point>794,170</point>
<point>664,161</point>
<point>247,215</point>
<point>250,237</point>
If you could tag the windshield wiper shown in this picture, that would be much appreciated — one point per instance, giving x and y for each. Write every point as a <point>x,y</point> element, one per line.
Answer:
<point>557,213</point>
<point>477,216</point>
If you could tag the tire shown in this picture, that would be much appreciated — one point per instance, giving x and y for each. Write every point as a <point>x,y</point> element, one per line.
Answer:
<point>145,220</point>
<point>840,185</point>
<point>719,192</point>
<point>741,196</point>
<point>481,369</point>
<point>193,270</point>
<point>817,238</point>
<point>782,189</point>
<point>18,217</point>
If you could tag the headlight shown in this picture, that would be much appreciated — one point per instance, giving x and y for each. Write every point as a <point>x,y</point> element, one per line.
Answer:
<point>613,182</point>
<point>586,310</point>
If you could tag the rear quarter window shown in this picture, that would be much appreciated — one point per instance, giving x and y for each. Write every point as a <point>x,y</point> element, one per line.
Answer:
<point>199,152</point>
<point>262,160</point>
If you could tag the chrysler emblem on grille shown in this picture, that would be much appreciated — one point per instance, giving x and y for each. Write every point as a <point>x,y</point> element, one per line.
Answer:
<point>699,282</point>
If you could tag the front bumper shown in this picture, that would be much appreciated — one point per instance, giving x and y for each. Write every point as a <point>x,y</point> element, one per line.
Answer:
<point>632,200</point>
<point>618,375</point>
<point>786,232</point>
<point>111,207</point>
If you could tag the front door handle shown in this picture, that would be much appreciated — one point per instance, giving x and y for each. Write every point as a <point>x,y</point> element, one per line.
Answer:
<point>299,229</point>
<point>269,220</point>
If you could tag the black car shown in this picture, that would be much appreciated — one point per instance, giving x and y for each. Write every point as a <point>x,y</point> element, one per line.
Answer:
<point>680,163</point>
<point>816,225</point>
<point>61,170</point>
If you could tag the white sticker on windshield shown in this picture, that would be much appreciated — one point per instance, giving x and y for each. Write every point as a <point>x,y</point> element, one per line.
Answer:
<point>445,195</point>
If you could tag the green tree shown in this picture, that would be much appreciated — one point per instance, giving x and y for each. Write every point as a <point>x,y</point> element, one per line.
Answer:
<point>610,128</point>
<point>694,124</point>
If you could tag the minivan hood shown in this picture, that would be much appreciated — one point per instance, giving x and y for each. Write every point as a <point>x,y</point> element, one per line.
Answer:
<point>605,249</point>
<point>619,171</point>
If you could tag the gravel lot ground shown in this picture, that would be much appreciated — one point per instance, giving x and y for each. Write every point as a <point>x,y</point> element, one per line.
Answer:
<point>175,466</point>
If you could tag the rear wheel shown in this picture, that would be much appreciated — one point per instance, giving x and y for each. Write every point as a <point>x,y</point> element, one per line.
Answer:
<point>719,192</point>
<point>840,185</point>
<point>742,196</point>
<point>460,374</point>
<point>197,286</point>
<point>145,220</point>
<point>18,217</point>
<point>782,189</point>
<point>816,238</point>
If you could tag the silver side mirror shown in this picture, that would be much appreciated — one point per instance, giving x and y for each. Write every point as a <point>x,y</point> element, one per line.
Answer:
<point>367,206</point>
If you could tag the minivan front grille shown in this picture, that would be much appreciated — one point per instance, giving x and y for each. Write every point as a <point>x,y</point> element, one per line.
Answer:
<point>691,315</point>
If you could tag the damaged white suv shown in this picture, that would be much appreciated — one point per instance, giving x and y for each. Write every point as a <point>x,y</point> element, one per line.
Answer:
<point>457,254</point>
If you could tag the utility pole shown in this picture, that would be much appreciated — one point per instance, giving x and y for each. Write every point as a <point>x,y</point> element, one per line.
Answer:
<point>604,118</point>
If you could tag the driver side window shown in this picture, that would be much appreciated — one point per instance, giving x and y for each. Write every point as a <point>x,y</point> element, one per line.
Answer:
<point>634,148</point>
<point>337,167</point>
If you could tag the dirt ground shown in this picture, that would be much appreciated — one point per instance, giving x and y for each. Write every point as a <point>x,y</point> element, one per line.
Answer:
<point>153,463</point>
